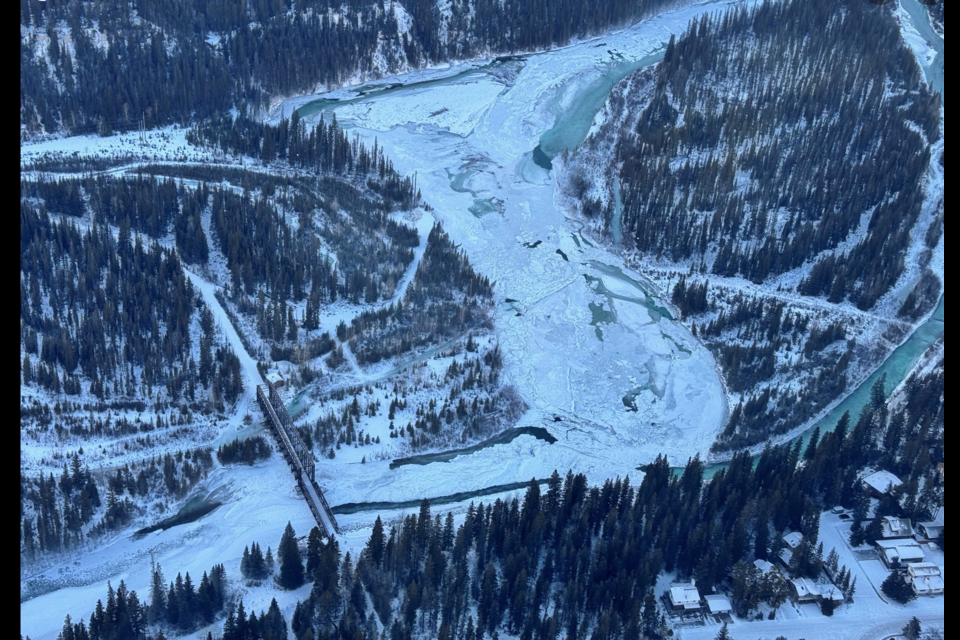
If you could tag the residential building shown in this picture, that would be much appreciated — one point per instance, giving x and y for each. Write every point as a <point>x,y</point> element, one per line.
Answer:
<point>793,539</point>
<point>718,604</point>
<point>684,598</point>
<point>763,565</point>
<point>894,528</point>
<point>926,578</point>
<point>803,591</point>
<point>880,483</point>
<point>900,552</point>
<point>932,529</point>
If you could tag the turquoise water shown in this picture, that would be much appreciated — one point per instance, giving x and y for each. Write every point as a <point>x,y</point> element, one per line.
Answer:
<point>648,300</point>
<point>505,436</point>
<point>356,507</point>
<point>573,122</point>
<point>194,509</point>
<point>896,367</point>
<point>378,89</point>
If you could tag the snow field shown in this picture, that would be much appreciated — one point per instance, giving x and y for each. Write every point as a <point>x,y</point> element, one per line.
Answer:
<point>552,352</point>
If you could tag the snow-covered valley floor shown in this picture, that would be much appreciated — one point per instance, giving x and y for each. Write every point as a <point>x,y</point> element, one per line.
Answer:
<point>579,331</point>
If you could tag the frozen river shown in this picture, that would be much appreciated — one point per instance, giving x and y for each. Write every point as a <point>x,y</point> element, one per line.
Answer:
<point>584,338</point>
<point>583,333</point>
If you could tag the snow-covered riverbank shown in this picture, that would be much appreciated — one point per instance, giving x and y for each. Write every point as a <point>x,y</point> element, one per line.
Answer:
<point>572,351</point>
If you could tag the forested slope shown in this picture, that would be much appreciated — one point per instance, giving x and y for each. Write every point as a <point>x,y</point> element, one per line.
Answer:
<point>773,172</point>
<point>118,352</point>
<point>574,560</point>
<point>122,361</point>
<point>103,66</point>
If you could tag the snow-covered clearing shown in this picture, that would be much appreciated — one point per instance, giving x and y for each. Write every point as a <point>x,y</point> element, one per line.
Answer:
<point>168,143</point>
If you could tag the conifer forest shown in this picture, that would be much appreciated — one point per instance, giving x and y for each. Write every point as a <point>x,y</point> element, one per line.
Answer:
<point>481,320</point>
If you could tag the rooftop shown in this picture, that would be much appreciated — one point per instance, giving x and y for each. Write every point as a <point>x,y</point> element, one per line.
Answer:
<point>924,569</point>
<point>763,565</point>
<point>794,538</point>
<point>925,584</point>
<point>882,481</point>
<point>805,587</point>
<point>685,595</point>
<point>904,550</point>
<point>718,603</point>
<point>892,544</point>
<point>896,527</point>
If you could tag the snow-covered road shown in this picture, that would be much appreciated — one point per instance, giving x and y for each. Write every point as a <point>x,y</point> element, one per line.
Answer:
<point>251,376</point>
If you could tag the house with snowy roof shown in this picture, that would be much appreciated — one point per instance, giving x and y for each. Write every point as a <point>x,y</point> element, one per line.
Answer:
<point>684,598</point>
<point>276,379</point>
<point>763,565</point>
<point>893,552</point>
<point>803,590</point>
<point>926,578</point>
<point>793,539</point>
<point>893,528</point>
<point>881,483</point>
<point>932,529</point>
<point>718,604</point>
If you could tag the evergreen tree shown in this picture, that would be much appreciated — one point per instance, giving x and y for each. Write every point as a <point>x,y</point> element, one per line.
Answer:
<point>912,630</point>
<point>896,588</point>
<point>377,543</point>
<point>157,609</point>
<point>291,564</point>
<point>272,624</point>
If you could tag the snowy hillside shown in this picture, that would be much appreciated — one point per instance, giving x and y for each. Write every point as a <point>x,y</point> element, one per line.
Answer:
<point>705,171</point>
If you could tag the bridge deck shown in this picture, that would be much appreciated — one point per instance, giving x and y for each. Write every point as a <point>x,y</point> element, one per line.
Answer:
<point>317,503</point>
<point>303,470</point>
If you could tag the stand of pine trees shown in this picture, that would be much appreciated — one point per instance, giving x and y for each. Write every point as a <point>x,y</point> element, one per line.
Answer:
<point>269,626</point>
<point>760,340</point>
<point>323,149</point>
<point>254,565</point>
<point>181,608</point>
<point>581,561</point>
<point>248,451</point>
<point>719,168</point>
<point>112,66</point>
<point>475,404</point>
<point>446,298</point>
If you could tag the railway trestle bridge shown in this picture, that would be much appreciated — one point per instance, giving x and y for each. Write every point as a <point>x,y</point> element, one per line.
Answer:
<point>297,455</point>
